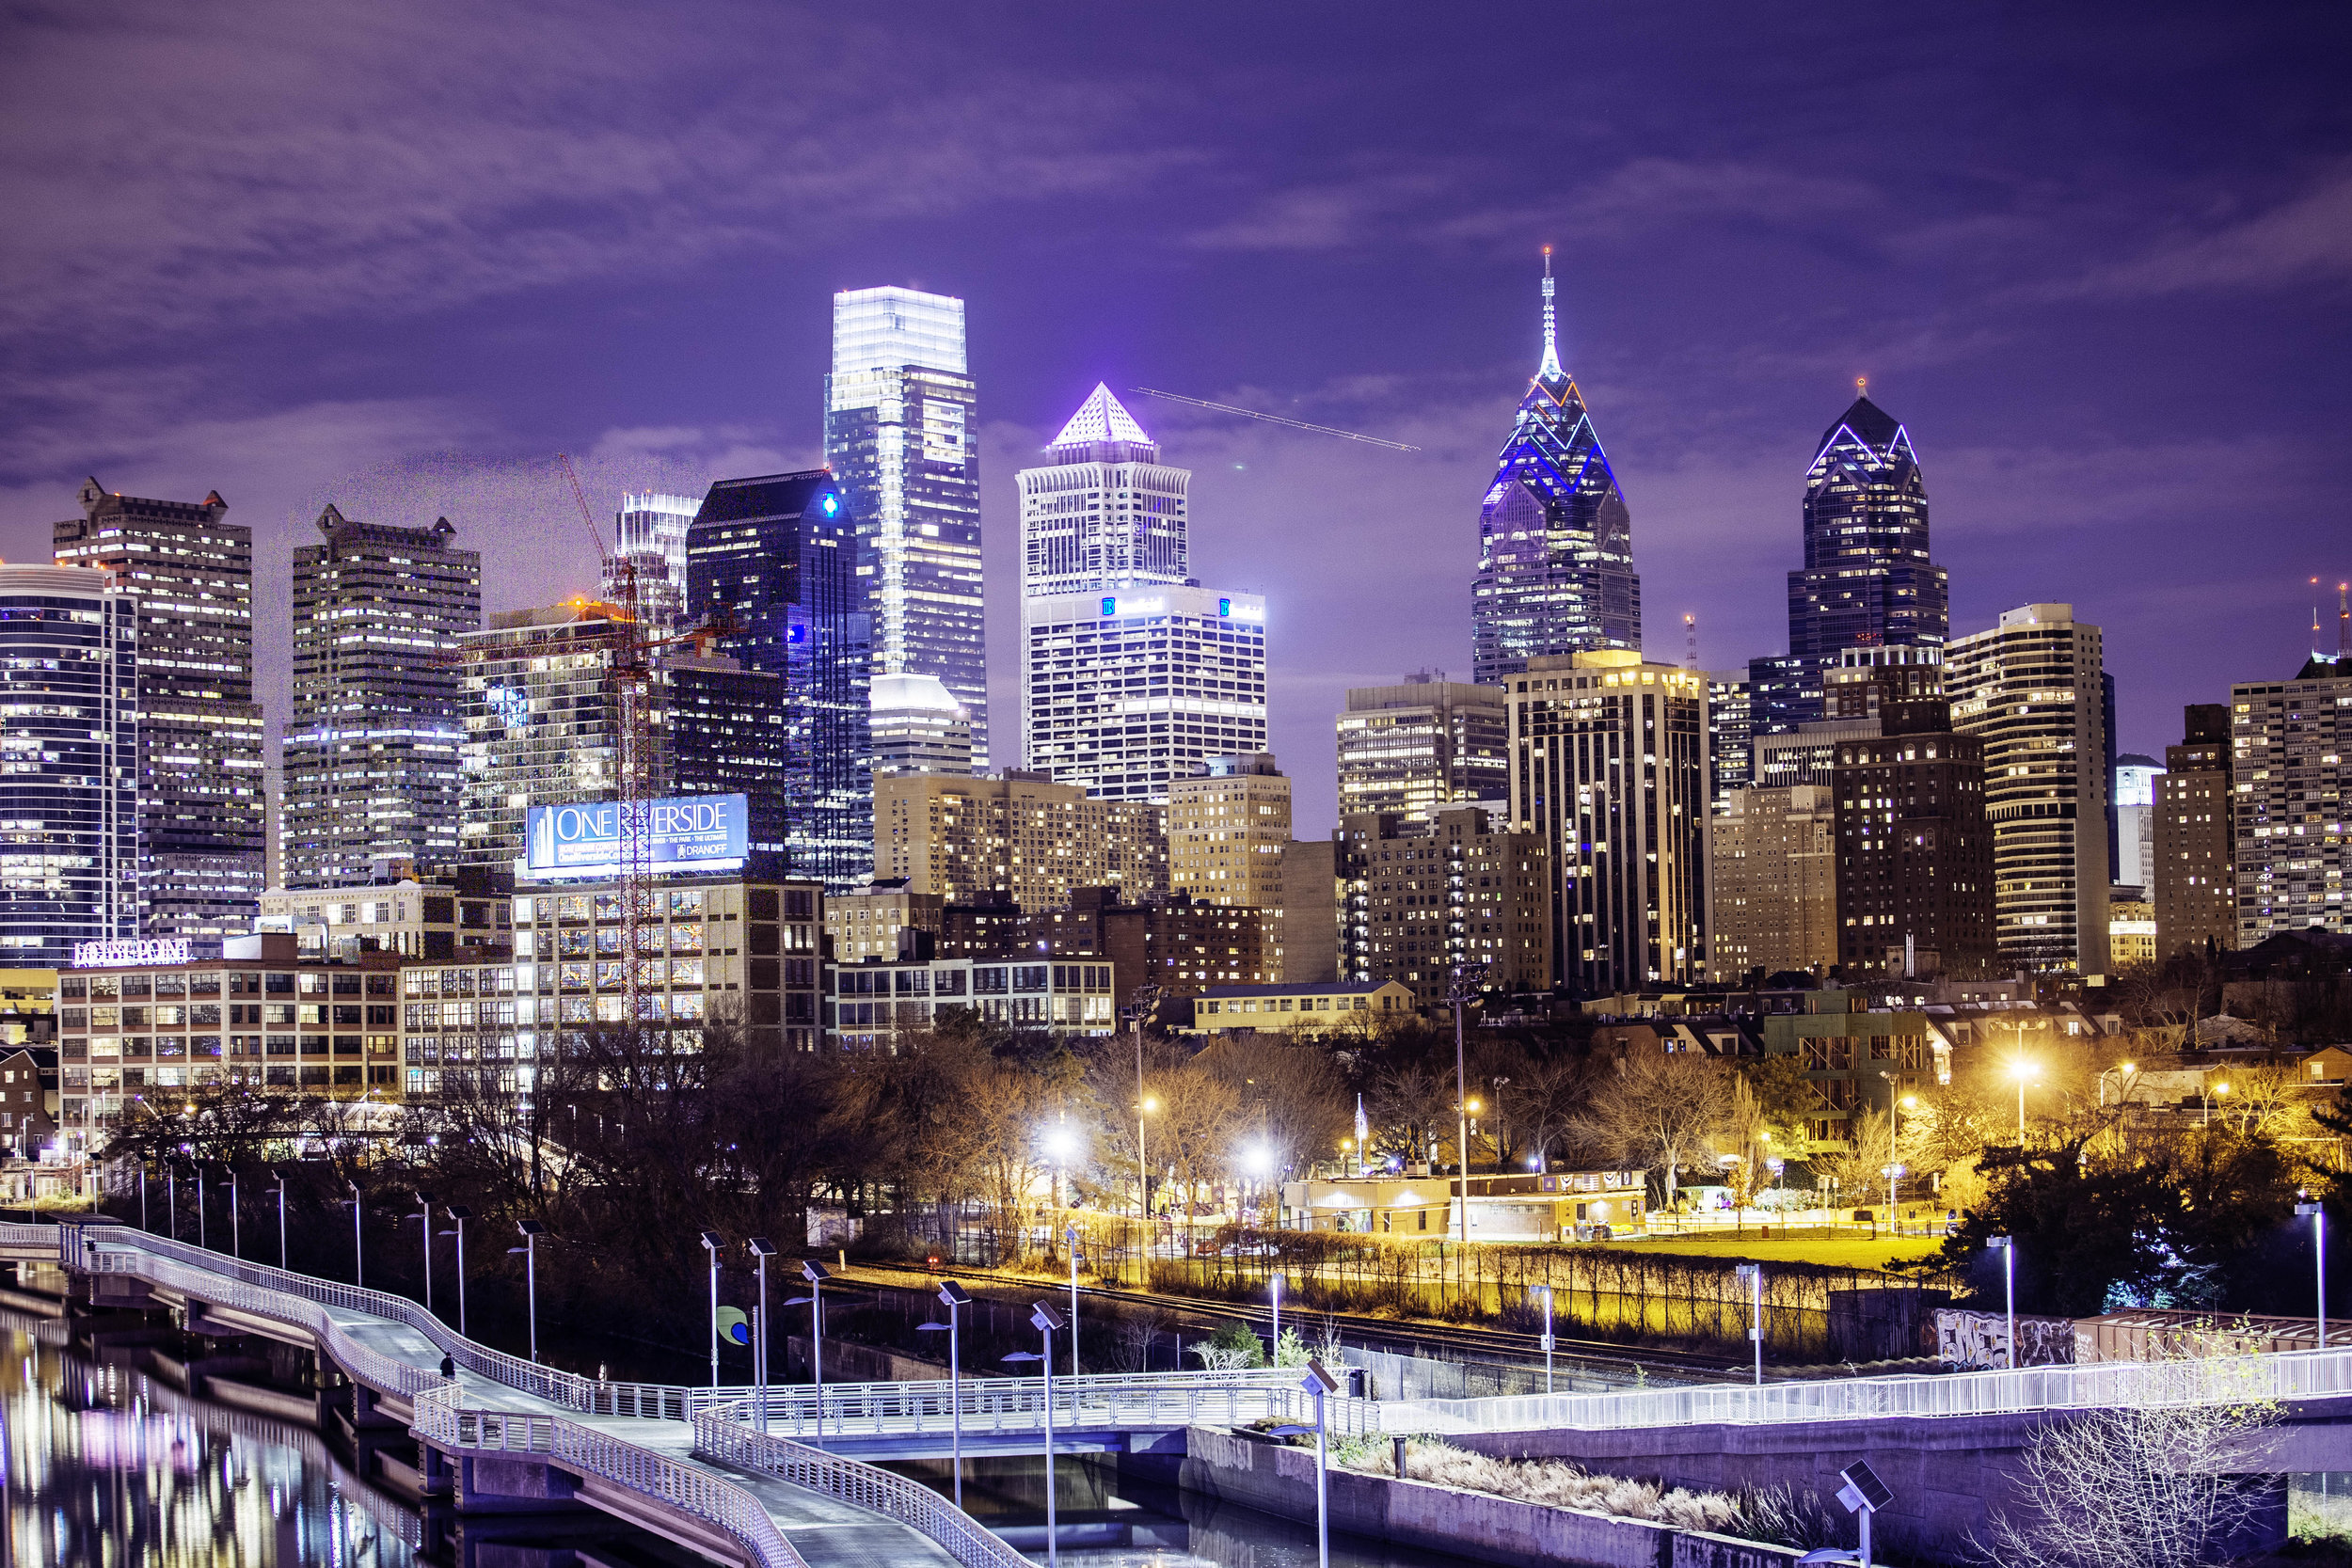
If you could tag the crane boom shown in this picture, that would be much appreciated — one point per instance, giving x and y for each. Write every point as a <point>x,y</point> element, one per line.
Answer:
<point>1272,418</point>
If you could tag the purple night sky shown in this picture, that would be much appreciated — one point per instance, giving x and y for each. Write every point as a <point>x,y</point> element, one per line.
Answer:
<point>397,255</point>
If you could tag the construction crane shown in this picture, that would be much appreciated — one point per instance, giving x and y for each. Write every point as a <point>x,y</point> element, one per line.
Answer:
<point>1272,419</point>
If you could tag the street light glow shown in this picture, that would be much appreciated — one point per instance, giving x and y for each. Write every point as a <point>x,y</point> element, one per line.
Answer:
<point>1060,1142</point>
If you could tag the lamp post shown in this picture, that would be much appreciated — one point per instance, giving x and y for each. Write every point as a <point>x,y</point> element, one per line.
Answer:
<point>2009,1281</point>
<point>762,1249</point>
<point>359,1261</point>
<point>282,1219</point>
<point>200,1240</point>
<point>2319,1258</point>
<point>1727,1164</point>
<point>955,1298</point>
<point>2020,1069</point>
<point>1317,1383</point>
<point>1548,1339</point>
<point>2123,1068</point>
<point>1894,1175</point>
<point>1275,1285</point>
<point>712,1241</point>
<point>2221,1088</point>
<point>1140,1005</point>
<point>172,1192</point>
<point>816,1273</point>
<point>1046,1319</point>
<point>425,1214</point>
<point>1753,1275</point>
<point>1070,1235</point>
<point>1463,988</point>
<point>236,1233</point>
<point>459,1213</point>
<point>530,1230</point>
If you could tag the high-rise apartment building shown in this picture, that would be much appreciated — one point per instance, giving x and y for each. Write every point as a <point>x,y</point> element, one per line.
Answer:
<point>2287,741</point>
<point>1465,892</point>
<point>919,727</point>
<point>651,529</point>
<point>1867,582</point>
<point>372,751</point>
<point>2029,690</point>
<point>2133,788</point>
<point>1413,749</point>
<point>541,727</point>
<point>777,556</point>
<point>1018,835</point>
<point>1730,735</point>
<point>68,732</point>
<point>1132,673</point>
<point>189,573</point>
<point>903,439</point>
<point>1312,902</point>
<point>1609,765</point>
<point>1555,541</point>
<point>1227,827</point>
<point>726,730</point>
<point>1914,847</point>
<point>2195,885</point>
<point>1775,883</point>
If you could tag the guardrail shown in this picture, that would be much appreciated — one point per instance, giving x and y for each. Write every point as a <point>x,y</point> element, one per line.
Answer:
<point>2111,1385</point>
<point>446,1423</point>
<point>1001,1404</point>
<point>725,1432</point>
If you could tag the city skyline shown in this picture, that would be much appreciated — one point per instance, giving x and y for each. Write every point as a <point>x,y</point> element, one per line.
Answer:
<point>1725,272</point>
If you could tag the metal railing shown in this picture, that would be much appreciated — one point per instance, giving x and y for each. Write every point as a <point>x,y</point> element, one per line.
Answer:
<point>2100,1386</point>
<point>991,1404</point>
<point>688,1488</point>
<point>727,1432</point>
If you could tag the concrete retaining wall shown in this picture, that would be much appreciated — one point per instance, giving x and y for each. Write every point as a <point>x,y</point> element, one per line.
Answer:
<point>1279,1480</point>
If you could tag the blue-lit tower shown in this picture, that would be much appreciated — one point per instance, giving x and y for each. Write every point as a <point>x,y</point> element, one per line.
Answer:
<point>1555,541</point>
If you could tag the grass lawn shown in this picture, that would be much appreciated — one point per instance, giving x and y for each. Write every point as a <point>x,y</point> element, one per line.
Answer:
<point>1845,1248</point>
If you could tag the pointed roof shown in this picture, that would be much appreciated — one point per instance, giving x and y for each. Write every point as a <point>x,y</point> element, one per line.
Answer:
<point>1870,424</point>
<point>1101,417</point>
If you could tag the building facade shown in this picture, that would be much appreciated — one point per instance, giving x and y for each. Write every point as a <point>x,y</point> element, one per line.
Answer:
<point>1423,901</point>
<point>1227,827</point>
<point>1867,582</point>
<point>1555,539</point>
<point>919,727</point>
<point>188,572</point>
<point>902,436</point>
<point>1915,849</point>
<point>69,792</point>
<point>875,922</point>
<point>372,753</point>
<point>1412,749</point>
<point>777,557</point>
<point>1016,835</point>
<point>2287,744</point>
<point>1312,898</point>
<point>726,730</point>
<point>2133,785</point>
<point>1854,1060</point>
<point>1107,514</point>
<point>2029,690</point>
<point>468,918</point>
<point>535,696</point>
<point>2194,884</point>
<point>1730,733</point>
<point>1294,1009</point>
<point>1775,883</point>
<point>1609,767</point>
<point>869,1007</point>
<point>651,529</point>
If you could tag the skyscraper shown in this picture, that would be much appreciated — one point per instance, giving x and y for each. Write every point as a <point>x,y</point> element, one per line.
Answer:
<point>2196,885</point>
<point>651,529</point>
<point>190,575</point>
<point>777,556</point>
<point>370,753</point>
<point>1132,673</point>
<point>1914,850</point>
<point>902,439</point>
<point>540,726</point>
<point>2132,790</point>
<point>1555,542</point>
<point>1413,749</point>
<point>2029,690</point>
<point>1867,579</point>
<point>2288,740</point>
<point>1774,884</point>
<point>1426,901</point>
<point>919,727</point>
<point>1227,827</point>
<point>1609,765</point>
<point>69,729</point>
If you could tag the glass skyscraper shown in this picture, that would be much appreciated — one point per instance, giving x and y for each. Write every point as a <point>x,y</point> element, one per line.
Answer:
<point>901,439</point>
<point>777,555</point>
<point>1555,542</point>
<point>1867,579</point>
<point>652,532</point>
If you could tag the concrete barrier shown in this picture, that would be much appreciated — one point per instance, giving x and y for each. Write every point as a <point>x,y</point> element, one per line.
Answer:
<point>1276,1479</point>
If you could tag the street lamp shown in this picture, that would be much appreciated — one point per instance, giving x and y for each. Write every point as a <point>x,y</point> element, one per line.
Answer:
<point>2124,1070</point>
<point>1461,993</point>
<point>712,1241</point>
<point>459,1213</point>
<point>424,1212</point>
<point>1140,1005</point>
<point>2319,1258</point>
<point>236,1234</point>
<point>530,1230</point>
<point>1317,1383</point>
<point>2022,1070</point>
<point>280,1174</point>
<point>1275,1285</point>
<point>1894,1175</point>
<point>1727,1164</point>
<point>955,1298</point>
<point>359,1261</point>
<point>2221,1088</point>
<point>2009,1279</point>
<point>1046,1319</point>
<point>199,1166</point>
<point>816,1273</point>
<point>1548,1339</point>
<point>1753,1275</point>
<point>171,1190</point>
<point>762,1249</point>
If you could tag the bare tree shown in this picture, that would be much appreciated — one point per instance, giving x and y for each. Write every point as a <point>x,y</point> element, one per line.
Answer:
<point>1661,1112</point>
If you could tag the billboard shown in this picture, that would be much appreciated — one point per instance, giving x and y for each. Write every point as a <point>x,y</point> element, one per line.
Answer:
<point>685,833</point>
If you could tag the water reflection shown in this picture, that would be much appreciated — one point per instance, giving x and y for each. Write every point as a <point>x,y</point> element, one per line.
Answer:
<point>1113,1521</point>
<point>100,1464</point>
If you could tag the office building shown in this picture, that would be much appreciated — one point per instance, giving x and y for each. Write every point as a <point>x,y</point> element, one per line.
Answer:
<point>1775,883</point>
<point>1178,944</point>
<point>1784,690</point>
<point>2194,884</point>
<point>1299,1007</point>
<point>1312,902</point>
<point>542,725</point>
<point>1466,893</point>
<point>1555,541</point>
<point>651,529</point>
<point>1412,749</point>
<point>902,437</point>
<point>1867,582</point>
<point>1227,827</point>
<point>726,730</point>
<point>1730,735</point>
<point>372,755</point>
<point>2132,784</point>
<point>1016,835</point>
<point>871,1007</point>
<point>919,727</point>
<point>1132,673</point>
<point>877,921</point>
<point>776,556</point>
<point>1914,847</point>
<point>69,795</point>
<point>2131,929</point>
<point>2287,741</point>
<point>465,917</point>
<point>188,572</point>
<point>2029,690</point>
<point>1609,767</point>
<point>739,950</point>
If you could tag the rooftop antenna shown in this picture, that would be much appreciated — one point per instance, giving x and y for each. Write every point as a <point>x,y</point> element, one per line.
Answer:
<point>1549,368</point>
<point>1690,642</point>
<point>2315,654</point>
<point>2344,627</point>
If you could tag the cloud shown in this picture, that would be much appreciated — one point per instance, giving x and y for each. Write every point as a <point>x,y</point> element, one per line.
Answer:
<point>2304,240</point>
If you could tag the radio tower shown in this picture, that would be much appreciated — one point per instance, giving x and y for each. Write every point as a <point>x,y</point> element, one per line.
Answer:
<point>1690,642</point>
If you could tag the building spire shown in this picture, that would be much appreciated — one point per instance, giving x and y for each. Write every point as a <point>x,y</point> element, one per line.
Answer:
<point>1549,369</point>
